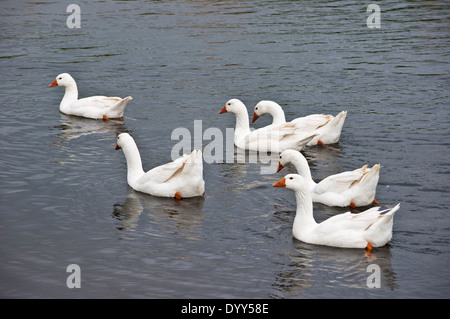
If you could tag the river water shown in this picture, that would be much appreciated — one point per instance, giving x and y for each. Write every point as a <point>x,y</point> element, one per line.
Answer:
<point>63,193</point>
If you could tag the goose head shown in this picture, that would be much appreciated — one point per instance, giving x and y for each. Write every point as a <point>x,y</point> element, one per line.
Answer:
<point>292,181</point>
<point>264,107</point>
<point>122,140</point>
<point>233,106</point>
<point>64,79</point>
<point>285,158</point>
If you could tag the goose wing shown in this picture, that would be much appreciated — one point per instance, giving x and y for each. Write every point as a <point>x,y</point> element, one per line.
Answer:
<point>312,122</point>
<point>99,102</point>
<point>188,164</point>
<point>165,172</point>
<point>341,182</point>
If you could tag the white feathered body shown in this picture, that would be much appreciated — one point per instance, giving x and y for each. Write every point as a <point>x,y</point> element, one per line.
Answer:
<point>94,107</point>
<point>184,175</point>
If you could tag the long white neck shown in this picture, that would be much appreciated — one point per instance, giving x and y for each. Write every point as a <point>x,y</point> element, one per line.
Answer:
<point>277,113</point>
<point>134,162</point>
<point>304,219</point>
<point>242,124</point>
<point>301,165</point>
<point>70,96</point>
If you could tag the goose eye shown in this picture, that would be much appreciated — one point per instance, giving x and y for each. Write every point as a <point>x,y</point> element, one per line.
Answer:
<point>291,178</point>
<point>59,78</point>
<point>256,108</point>
<point>229,104</point>
<point>281,157</point>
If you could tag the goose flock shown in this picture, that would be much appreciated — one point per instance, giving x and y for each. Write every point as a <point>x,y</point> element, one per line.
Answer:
<point>183,178</point>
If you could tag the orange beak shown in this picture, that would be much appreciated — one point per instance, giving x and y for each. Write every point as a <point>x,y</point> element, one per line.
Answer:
<point>54,83</point>
<point>255,117</point>
<point>280,167</point>
<point>223,110</point>
<point>281,183</point>
<point>117,147</point>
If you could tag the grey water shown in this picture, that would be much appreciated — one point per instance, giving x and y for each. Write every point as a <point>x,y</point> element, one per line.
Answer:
<point>64,198</point>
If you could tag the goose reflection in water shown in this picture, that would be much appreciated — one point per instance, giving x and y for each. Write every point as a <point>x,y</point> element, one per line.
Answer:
<point>73,127</point>
<point>343,269</point>
<point>164,216</point>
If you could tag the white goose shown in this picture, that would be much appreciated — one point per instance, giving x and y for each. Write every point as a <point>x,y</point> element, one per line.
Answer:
<point>94,107</point>
<point>274,139</point>
<point>370,228</point>
<point>327,127</point>
<point>351,188</point>
<point>180,178</point>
